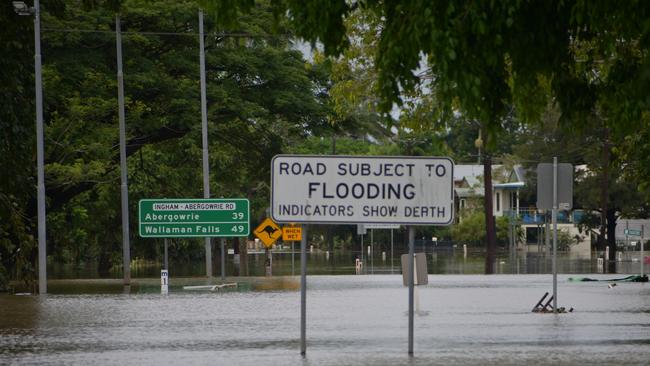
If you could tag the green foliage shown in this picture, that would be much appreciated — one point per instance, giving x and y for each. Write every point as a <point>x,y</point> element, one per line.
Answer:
<point>17,142</point>
<point>471,229</point>
<point>262,98</point>
<point>571,71</point>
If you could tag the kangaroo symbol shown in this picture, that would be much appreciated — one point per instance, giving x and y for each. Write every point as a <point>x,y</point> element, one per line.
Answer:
<point>269,230</point>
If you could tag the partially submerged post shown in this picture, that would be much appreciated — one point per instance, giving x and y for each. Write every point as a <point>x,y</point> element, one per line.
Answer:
<point>555,234</point>
<point>642,259</point>
<point>554,191</point>
<point>414,272</point>
<point>166,255</point>
<point>409,268</point>
<point>223,259</point>
<point>303,291</point>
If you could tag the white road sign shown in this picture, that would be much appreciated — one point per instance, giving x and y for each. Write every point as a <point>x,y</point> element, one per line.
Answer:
<point>362,189</point>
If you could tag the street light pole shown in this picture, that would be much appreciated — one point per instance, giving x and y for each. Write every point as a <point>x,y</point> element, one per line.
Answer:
<point>204,138</point>
<point>42,247</point>
<point>23,9</point>
<point>124,187</point>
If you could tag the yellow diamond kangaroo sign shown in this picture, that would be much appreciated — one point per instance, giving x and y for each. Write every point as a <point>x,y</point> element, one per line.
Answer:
<point>268,232</point>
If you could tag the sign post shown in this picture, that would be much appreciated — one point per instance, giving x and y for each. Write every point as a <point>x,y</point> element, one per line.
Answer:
<point>223,259</point>
<point>554,190</point>
<point>292,234</point>
<point>639,233</point>
<point>554,218</point>
<point>391,251</point>
<point>642,259</point>
<point>166,254</point>
<point>303,291</point>
<point>411,258</point>
<point>321,189</point>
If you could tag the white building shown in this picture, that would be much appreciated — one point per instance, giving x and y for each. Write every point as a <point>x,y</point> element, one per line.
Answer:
<point>507,184</point>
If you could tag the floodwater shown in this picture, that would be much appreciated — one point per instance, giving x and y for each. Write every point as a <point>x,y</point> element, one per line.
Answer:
<point>351,320</point>
<point>451,261</point>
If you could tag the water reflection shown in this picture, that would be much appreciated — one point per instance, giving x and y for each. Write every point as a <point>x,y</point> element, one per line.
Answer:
<point>447,261</point>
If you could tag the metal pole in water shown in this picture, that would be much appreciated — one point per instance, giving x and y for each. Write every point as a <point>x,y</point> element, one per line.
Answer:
<point>303,291</point>
<point>410,267</point>
<point>391,251</point>
<point>554,234</point>
<point>124,187</point>
<point>166,255</point>
<point>223,259</point>
<point>40,161</point>
<point>372,252</point>
<point>642,258</point>
<point>627,227</point>
<point>547,233</point>
<point>204,137</point>
<point>293,260</point>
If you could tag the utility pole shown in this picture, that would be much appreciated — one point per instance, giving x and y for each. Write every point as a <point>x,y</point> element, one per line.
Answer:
<point>40,161</point>
<point>124,187</point>
<point>204,135</point>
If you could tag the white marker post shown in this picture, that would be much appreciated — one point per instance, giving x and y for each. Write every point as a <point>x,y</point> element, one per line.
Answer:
<point>164,282</point>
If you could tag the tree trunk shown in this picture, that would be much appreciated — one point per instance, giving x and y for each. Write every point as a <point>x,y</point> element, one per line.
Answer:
<point>611,239</point>
<point>491,239</point>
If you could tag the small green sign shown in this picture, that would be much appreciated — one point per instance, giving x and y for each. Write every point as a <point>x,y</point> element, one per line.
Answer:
<point>633,232</point>
<point>193,218</point>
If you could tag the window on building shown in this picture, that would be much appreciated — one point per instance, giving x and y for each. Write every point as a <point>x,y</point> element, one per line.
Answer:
<point>462,203</point>
<point>498,203</point>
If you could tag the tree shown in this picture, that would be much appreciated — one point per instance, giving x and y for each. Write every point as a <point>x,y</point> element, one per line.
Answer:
<point>262,98</point>
<point>471,229</point>
<point>485,56</point>
<point>584,147</point>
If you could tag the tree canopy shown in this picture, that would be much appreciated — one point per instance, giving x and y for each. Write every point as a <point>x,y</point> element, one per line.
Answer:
<point>534,78</point>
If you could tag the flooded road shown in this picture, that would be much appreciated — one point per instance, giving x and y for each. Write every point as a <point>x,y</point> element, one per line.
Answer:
<point>469,319</point>
<point>343,263</point>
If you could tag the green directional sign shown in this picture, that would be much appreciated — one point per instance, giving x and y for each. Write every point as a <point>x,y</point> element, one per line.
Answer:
<point>632,232</point>
<point>194,218</point>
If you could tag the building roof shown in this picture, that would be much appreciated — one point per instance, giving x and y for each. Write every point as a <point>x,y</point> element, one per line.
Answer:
<point>469,192</point>
<point>472,174</point>
<point>510,185</point>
